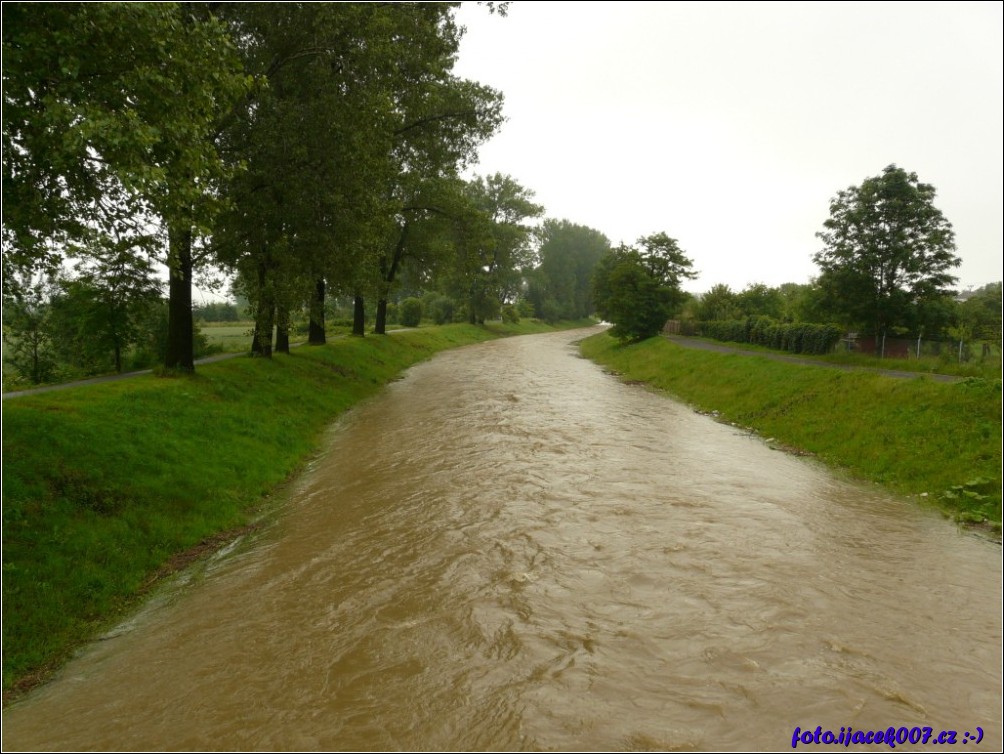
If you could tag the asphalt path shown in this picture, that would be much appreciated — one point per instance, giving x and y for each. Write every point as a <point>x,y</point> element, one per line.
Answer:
<point>704,345</point>
<point>113,377</point>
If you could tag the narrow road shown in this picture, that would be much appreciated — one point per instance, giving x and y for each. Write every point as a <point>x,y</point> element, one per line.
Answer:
<point>113,377</point>
<point>682,340</point>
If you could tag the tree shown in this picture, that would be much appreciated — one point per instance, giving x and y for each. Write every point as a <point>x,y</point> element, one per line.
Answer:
<point>981,313</point>
<point>638,290</point>
<point>720,303</point>
<point>887,254</point>
<point>561,285</point>
<point>97,315</point>
<point>492,244</point>
<point>114,100</point>
<point>26,330</point>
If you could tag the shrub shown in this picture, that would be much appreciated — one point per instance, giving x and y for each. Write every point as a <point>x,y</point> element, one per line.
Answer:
<point>410,312</point>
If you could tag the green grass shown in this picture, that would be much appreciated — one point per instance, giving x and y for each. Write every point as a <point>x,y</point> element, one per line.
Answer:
<point>916,436</point>
<point>228,337</point>
<point>104,484</point>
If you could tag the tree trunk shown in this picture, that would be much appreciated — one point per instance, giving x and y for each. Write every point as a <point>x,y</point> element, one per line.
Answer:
<point>380,328</point>
<point>264,319</point>
<point>261,345</point>
<point>180,344</point>
<point>358,316</point>
<point>389,272</point>
<point>316,336</point>
<point>282,329</point>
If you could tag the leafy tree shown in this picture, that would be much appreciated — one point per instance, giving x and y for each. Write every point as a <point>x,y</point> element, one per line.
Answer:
<point>638,290</point>
<point>887,254</point>
<point>106,99</point>
<point>411,312</point>
<point>561,285</point>
<point>95,317</point>
<point>981,313</point>
<point>720,303</point>
<point>492,243</point>
<point>760,300</point>
<point>26,330</point>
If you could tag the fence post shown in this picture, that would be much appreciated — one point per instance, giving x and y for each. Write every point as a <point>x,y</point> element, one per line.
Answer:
<point>918,346</point>
<point>882,352</point>
<point>960,350</point>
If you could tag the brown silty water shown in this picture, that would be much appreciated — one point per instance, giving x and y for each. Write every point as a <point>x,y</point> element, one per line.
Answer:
<point>510,549</point>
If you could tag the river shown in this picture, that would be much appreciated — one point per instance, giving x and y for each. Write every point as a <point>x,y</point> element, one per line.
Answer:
<point>511,549</point>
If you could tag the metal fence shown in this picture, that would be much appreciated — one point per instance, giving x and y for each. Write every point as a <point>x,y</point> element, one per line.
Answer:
<point>919,348</point>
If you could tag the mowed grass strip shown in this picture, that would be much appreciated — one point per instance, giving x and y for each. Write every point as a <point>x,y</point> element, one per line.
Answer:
<point>915,436</point>
<point>103,485</point>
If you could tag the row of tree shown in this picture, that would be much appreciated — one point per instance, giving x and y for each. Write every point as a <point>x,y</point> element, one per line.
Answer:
<point>885,269</point>
<point>310,149</point>
<point>317,150</point>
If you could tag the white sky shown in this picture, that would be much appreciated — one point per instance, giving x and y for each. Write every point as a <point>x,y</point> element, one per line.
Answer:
<point>730,126</point>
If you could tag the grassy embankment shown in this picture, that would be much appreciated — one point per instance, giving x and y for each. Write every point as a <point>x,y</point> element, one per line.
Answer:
<point>916,436</point>
<point>106,487</point>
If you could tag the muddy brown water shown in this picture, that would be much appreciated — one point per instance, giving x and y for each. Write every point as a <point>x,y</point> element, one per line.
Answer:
<point>510,549</point>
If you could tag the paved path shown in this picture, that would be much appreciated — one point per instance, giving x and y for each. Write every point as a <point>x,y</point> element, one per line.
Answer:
<point>705,345</point>
<point>110,377</point>
<point>127,375</point>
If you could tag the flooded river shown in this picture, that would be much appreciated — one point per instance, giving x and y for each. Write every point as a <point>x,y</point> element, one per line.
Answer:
<point>510,549</point>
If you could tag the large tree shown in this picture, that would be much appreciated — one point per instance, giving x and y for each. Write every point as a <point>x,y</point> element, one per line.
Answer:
<point>492,244</point>
<point>639,289</point>
<point>560,287</point>
<point>109,113</point>
<point>887,254</point>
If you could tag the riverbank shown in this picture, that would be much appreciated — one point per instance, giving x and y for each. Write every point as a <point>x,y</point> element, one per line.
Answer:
<point>106,486</point>
<point>938,442</point>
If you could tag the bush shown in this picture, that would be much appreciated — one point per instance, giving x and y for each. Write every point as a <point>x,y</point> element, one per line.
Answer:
<point>795,337</point>
<point>509,314</point>
<point>410,312</point>
<point>441,309</point>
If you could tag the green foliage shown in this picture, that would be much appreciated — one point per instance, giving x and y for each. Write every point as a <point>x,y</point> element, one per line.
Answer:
<point>887,255</point>
<point>441,309</point>
<point>720,303</point>
<point>216,312</point>
<point>560,287</point>
<point>800,337</point>
<point>510,315</point>
<point>410,312</point>
<point>637,291</point>
<point>492,244</point>
<point>27,332</point>
<point>980,314</point>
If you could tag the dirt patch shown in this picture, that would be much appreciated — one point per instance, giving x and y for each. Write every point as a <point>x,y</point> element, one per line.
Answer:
<point>206,547</point>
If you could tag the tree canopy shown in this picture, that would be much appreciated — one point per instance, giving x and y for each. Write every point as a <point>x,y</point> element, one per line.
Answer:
<point>639,289</point>
<point>560,286</point>
<point>887,254</point>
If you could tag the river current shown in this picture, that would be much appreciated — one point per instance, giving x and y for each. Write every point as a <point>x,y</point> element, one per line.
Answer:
<point>511,549</point>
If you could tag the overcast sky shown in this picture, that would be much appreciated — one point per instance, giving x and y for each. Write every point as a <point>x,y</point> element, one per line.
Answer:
<point>730,126</point>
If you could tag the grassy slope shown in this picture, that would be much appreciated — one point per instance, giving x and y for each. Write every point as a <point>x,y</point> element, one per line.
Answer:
<point>102,485</point>
<point>915,436</point>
